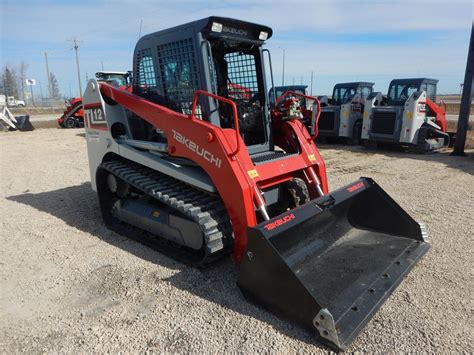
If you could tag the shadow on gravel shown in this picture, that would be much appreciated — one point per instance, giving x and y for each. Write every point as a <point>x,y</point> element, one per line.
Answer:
<point>78,207</point>
<point>464,164</point>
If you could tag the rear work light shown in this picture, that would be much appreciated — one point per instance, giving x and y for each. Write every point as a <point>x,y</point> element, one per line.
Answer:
<point>263,36</point>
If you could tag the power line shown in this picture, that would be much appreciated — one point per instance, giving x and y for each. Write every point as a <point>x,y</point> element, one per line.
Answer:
<point>140,32</point>
<point>283,70</point>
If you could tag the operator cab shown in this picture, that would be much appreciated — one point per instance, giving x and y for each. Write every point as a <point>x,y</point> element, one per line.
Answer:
<point>344,92</point>
<point>219,55</point>
<point>401,89</point>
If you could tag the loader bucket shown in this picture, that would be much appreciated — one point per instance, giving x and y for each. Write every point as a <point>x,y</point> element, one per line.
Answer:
<point>331,263</point>
<point>23,123</point>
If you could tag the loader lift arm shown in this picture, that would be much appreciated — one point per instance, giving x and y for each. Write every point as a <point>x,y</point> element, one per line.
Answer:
<point>238,181</point>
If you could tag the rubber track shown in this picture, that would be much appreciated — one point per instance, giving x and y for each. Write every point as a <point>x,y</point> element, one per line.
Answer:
<point>203,208</point>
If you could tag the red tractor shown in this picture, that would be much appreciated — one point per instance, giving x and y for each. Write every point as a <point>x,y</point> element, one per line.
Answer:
<point>73,116</point>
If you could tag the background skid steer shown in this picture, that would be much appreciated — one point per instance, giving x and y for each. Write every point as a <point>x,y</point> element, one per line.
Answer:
<point>341,116</point>
<point>408,117</point>
<point>194,159</point>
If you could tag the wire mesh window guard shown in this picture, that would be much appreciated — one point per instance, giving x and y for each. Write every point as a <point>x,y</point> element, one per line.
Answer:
<point>146,71</point>
<point>179,75</point>
<point>242,75</point>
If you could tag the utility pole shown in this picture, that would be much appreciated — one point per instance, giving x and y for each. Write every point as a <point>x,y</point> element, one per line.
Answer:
<point>48,75</point>
<point>311,90</point>
<point>464,110</point>
<point>5,86</point>
<point>76,49</point>
<point>41,90</point>
<point>283,73</point>
<point>32,97</point>
<point>102,65</point>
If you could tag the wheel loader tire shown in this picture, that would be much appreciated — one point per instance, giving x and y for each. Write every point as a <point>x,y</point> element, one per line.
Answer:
<point>298,191</point>
<point>356,134</point>
<point>70,123</point>
<point>294,194</point>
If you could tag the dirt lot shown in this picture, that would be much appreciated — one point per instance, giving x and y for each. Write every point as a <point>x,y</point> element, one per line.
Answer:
<point>68,284</point>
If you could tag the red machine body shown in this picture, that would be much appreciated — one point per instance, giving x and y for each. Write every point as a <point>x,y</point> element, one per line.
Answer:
<point>439,112</point>
<point>226,160</point>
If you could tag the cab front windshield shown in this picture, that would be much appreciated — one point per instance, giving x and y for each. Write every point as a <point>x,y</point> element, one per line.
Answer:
<point>342,94</point>
<point>399,93</point>
<point>280,92</point>
<point>116,80</point>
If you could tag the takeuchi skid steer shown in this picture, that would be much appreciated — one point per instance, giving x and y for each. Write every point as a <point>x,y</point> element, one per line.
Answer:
<point>189,164</point>
<point>409,117</point>
<point>341,115</point>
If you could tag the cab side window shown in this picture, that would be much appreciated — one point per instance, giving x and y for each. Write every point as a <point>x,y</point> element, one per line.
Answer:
<point>431,91</point>
<point>146,70</point>
<point>366,91</point>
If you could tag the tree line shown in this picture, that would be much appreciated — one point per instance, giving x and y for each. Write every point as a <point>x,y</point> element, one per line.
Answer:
<point>13,82</point>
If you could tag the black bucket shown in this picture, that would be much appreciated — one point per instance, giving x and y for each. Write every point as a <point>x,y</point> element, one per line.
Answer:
<point>23,123</point>
<point>330,264</point>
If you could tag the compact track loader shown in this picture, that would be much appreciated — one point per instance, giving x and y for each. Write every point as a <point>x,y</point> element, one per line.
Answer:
<point>408,116</point>
<point>194,163</point>
<point>341,115</point>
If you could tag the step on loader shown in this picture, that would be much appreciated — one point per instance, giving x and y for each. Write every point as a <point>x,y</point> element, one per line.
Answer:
<point>408,117</point>
<point>195,163</point>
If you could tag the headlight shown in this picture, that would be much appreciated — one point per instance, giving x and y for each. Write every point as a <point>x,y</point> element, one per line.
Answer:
<point>216,27</point>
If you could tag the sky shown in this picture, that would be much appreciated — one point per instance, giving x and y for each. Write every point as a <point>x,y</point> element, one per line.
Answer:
<point>337,40</point>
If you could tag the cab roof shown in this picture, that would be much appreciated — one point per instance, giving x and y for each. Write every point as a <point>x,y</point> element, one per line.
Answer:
<point>231,28</point>
<point>291,87</point>
<point>353,84</point>
<point>414,81</point>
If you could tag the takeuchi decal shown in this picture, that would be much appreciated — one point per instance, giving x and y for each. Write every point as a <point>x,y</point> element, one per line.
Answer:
<point>355,187</point>
<point>194,147</point>
<point>279,222</point>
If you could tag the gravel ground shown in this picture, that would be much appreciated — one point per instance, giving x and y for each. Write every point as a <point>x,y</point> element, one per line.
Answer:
<point>68,284</point>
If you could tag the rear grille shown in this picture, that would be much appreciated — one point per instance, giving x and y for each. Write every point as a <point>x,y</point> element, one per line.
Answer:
<point>326,121</point>
<point>383,122</point>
